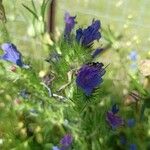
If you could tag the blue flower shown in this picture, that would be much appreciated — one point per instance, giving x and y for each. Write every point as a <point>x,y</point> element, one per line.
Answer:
<point>133,55</point>
<point>114,120</point>
<point>55,148</point>
<point>24,93</point>
<point>86,36</point>
<point>97,52</point>
<point>115,108</point>
<point>131,122</point>
<point>133,147</point>
<point>134,66</point>
<point>90,76</point>
<point>11,54</point>
<point>123,140</point>
<point>70,23</point>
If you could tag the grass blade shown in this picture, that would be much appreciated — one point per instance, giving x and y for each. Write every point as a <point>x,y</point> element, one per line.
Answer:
<point>31,11</point>
<point>43,7</point>
<point>33,5</point>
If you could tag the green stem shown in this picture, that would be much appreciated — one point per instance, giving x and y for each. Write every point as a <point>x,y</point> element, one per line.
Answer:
<point>89,143</point>
<point>142,112</point>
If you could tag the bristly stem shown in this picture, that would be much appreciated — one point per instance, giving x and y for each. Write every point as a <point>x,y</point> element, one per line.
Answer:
<point>84,106</point>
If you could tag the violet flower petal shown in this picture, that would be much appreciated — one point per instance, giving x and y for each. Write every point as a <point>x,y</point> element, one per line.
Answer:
<point>131,122</point>
<point>89,77</point>
<point>97,52</point>
<point>113,120</point>
<point>11,54</point>
<point>115,108</point>
<point>133,147</point>
<point>86,36</point>
<point>69,24</point>
<point>66,140</point>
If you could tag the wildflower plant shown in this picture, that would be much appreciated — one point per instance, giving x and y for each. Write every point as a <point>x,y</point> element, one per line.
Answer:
<point>77,102</point>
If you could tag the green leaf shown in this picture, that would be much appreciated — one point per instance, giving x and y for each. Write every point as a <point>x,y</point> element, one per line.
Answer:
<point>137,86</point>
<point>31,11</point>
<point>43,8</point>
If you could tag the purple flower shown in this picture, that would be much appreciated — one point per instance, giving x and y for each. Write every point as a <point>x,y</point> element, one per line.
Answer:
<point>86,36</point>
<point>66,142</point>
<point>70,23</point>
<point>115,108</point>
<point>90,76</point>
<point>114,120</point>
<point>131,122</point>
<point>11,54</point>
<point>97,52</point>
<point>133,147</point>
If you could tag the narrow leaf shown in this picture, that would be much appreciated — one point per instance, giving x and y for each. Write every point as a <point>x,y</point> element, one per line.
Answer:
<point>43,8</point>
<point>33,5</point>
<point>31,11</point>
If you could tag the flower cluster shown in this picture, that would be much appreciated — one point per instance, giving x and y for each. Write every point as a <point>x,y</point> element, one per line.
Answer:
<point>113,119</point>
<point>65,143</point>
<point>86,36</point>
<point>90,76</point>
<point>116,121</point>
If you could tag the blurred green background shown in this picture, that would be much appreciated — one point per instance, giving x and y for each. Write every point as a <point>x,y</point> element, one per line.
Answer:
<point>126,16</point>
